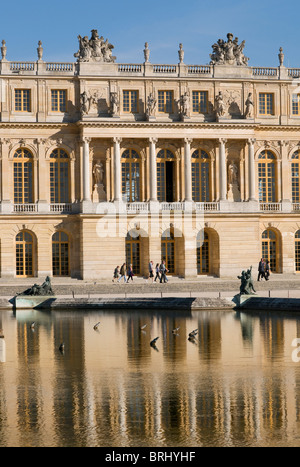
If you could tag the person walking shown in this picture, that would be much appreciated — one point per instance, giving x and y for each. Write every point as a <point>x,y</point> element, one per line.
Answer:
<point>157,276</point>
<point>122,273</point>
<point>116,273</point>
<point>130,273</point>
<point>151,271</point>
<point>261,270</point>
<point>163,272</point>
<point>268,271</point>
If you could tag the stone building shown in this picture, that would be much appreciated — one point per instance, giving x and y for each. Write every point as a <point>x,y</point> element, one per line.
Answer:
<point>103,163</point>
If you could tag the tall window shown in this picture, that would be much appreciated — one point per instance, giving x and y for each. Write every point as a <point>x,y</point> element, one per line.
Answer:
<point>59,177</point>
<point>59,100</point>
<point>165,175</point>
<point>269,248</point>
<point>266,103</point>
<point>130,101</point>
<point>60,254</point>
<point>267,177</point>
<point>165,101</point>
<point>203,253</point>
<point>200,101</point>
<point>168,250</point>
<point>296,104</point>
<point>295,177</point>
<point>23,177</point>
<point>133,255</point>
<point>131,176</point>
<point>22,100</point>
<point>297,251</point>
<point>200,176</point>
<point>24,254</point>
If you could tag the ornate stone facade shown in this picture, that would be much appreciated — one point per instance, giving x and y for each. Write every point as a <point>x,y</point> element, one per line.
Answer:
<point>103,163</point>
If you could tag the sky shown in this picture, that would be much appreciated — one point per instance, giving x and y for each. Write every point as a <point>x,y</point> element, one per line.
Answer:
<point>265,25</point>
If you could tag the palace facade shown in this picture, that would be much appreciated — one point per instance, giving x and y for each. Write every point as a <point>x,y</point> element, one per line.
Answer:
<point>105,163</point>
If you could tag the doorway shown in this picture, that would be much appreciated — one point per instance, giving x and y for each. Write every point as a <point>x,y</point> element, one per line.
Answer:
<point>170,181</point>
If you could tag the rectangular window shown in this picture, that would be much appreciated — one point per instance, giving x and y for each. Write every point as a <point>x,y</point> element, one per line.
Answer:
<point>295,183</point>
<point>130,101</point>
<point>22,100</point>
<point>165,101</point>
<point>58,100</point>
<point>200,100</point>
<point>266,103</point>
<point>296,104</point>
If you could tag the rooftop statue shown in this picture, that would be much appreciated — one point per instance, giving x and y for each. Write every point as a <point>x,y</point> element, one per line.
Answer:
<point>229,53</point>
<point>94,49</point>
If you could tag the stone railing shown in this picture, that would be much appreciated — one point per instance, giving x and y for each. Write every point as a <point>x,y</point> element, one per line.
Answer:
<point>61,207</point>
<point>262,72</point>
<point>270,207</point>
<point>24,208</point>
<point>137,207</point>
<point>208,207</point>
<point>177,206</point>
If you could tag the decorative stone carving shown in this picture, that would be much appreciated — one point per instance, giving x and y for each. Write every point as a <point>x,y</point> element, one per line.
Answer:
<point>85,103</point>
<point>184,105</point>
<point>3,50</point>
<point>98,175</point>
<point>94,49</point>
<point>40,50</point>
<point>229,53</point>
<point>151,106</point>
<point>249,104</point>
<point>114,104</point>
<point>181,53</point>
<point>220,107</point>
<point>147,52</point>
<point>234,193</point>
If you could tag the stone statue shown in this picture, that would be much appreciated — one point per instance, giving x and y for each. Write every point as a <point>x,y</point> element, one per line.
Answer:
<point>94,49</point>
<point>232,174</point>
<point>114,103</point>
<point>229,53</point>
<point>181,53</point>
<point>151,105</point>
<point>281,56</point>
<point>220,105</point>
<point>40,50</point>
<point>98,173</point>
<point>85,103</point>
<point>39,290</point>
<point>3,50</point>
<point>249,112</point>
<point>185,105</point>
<point>247,284</point>
<point>146,52</point>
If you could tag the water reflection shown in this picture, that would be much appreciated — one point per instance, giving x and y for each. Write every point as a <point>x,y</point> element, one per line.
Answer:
<point>236,385</point>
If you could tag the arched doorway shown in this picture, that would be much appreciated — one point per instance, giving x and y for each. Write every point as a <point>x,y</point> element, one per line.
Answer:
<point>60,254</point>
<point>270,249</point>
<point>168,250</point>
<point>166,176</point>
<point>133,252</point>
<point>267,177</point>
<point>24,254</point>
<point>203,254</point>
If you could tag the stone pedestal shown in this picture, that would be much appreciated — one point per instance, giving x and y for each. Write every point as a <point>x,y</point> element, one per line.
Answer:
<point>99,194</point>
<point>234,193</point>
<point>30,302</point>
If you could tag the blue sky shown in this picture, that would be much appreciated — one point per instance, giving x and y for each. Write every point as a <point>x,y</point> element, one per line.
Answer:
<point>265,26</point>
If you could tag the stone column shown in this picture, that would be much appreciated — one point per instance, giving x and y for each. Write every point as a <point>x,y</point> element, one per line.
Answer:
<point>86,170</point>
<point>188,169</point>
<point>153,169</point>
<point>251,167</point>
<point>117,169</point>
<point>223,170</point>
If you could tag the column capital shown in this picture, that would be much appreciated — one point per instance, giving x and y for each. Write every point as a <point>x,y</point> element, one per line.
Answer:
<point>188,140</point>
<point>251,141</point>
<point>117,140</point>
<point>85,140</point>
<point>222,140</point>
<point>153,140</point>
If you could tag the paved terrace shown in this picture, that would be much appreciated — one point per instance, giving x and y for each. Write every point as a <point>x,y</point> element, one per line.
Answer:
<point>279,286</point>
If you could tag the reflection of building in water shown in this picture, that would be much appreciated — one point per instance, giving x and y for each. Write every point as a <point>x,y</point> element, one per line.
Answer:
<point>102,392</point>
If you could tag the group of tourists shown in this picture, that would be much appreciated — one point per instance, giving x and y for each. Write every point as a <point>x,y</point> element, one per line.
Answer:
<point>126,273</point>
<point>264,270</point>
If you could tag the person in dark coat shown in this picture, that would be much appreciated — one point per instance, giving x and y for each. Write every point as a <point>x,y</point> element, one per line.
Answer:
<point>261,270</point>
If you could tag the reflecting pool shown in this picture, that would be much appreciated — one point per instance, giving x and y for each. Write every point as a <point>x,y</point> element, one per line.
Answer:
<point>236,384</point>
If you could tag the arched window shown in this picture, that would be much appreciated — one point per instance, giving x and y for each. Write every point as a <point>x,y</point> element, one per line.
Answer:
<point>60,254</point>
<point>200,177</point>
<point>131,187</point>
<point>24,254</point>
<point>203,253</point>
<point>165,176</point>
<point>297,251</point>
<point>133,253</point>
<point>168,250</point>
<point>23,177</point>
<point>267,177</point>
<point>59,177</point>
<point>270,248</point>
<point>295,177</point>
